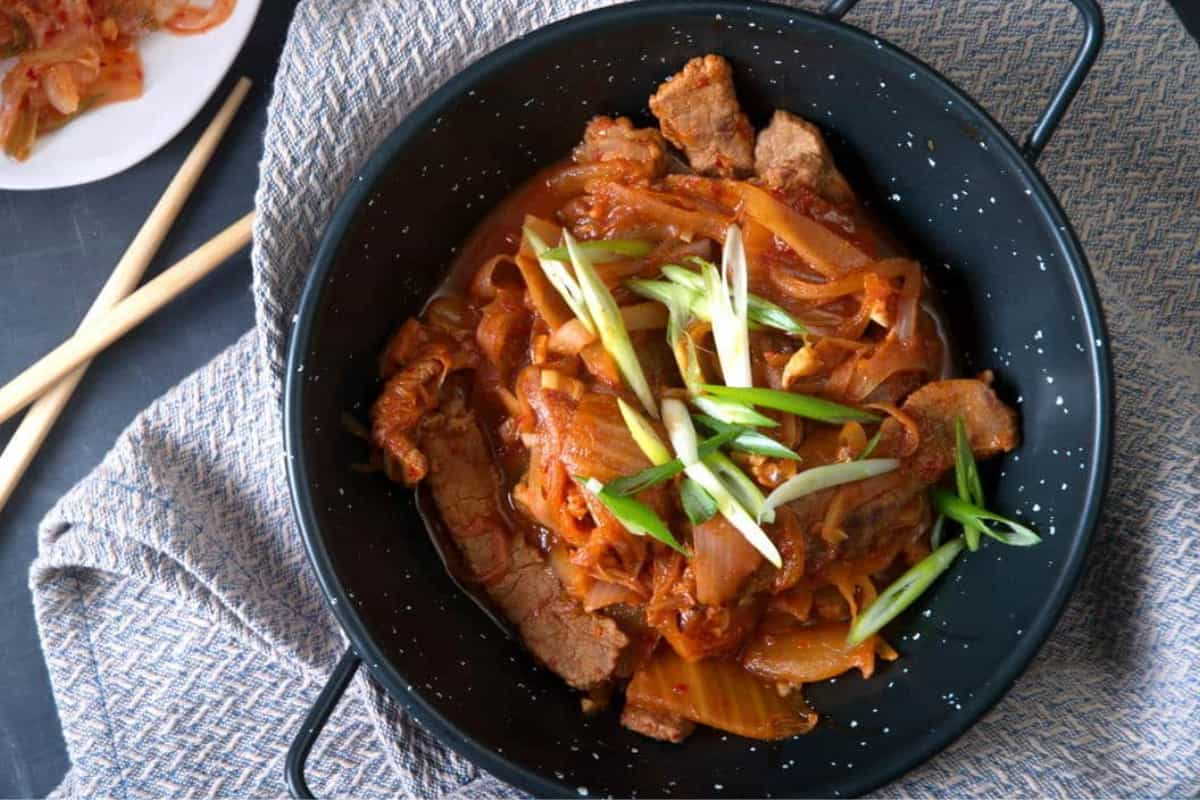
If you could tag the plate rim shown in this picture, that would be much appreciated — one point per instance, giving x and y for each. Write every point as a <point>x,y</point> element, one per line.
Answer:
<point>216,77</point>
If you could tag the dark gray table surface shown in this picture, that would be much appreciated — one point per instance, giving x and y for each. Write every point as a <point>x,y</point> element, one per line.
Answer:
<point>56,250</point>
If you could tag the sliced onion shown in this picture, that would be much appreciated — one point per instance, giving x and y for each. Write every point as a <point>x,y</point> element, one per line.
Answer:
<point>818,478</point>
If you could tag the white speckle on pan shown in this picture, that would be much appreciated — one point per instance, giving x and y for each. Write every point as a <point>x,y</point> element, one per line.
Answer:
<point>933,163</point>
<point>583,790</point>
<point>895,198</point>
<point>1036,507</point>
<point>1063,487</point>
<point>1058,401</point>
<point>832,77</point>
<point>1049,379</point>
<point>718,786</point>
<point>853,723</point>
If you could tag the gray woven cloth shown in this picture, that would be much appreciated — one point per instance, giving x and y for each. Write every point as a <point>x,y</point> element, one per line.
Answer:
<point>183,629</point>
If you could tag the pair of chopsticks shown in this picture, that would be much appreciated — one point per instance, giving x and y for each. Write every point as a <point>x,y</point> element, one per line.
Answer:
<point>49,382</point>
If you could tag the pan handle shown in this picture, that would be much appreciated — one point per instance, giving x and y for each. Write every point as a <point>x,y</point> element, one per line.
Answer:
<point>1085,56</point>
<point>314,723</point>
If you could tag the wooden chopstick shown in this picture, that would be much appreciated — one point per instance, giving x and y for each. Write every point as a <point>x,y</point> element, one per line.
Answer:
<point>100,333</point>
<point>31,433</point>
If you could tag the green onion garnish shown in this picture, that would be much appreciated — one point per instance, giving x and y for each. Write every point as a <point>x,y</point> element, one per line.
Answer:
<point>758,309</point>
<point>600,249</point>
<point>966,473</point>
<point>652,476</point>
<point>662,291</point>
<point>732,412</point>
<point>746,440</point>
<point>901,594</point>
<point>966,480</point>
<point>697,503</point>
<point>684,276</point>
<point>679,302</point>
<point>568,288</point>
<point>740,485</point>
<point>799,404</point>
<point>637,517</point>
<point>683,439</point>
<point>971,516</point>
<point>935,535</point>
<point>872,443</point>
<point>818,478</point>
<point>610,326</point>
<point>726,296</point>
<point>769,315</point>
<point>643,434</point>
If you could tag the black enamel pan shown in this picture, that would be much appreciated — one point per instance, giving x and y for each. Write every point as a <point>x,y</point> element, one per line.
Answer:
<point>969,202</point>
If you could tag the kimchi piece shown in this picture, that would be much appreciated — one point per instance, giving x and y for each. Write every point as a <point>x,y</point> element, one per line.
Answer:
<point>74,55</point>
<point>518,400</point>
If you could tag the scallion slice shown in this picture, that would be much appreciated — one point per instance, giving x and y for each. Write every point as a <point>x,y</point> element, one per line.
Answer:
<point>901,594</point>
<point>818,478</point>
<point>769,315</point>
<point>935,535</point>
<point>727,307</point>
<point>697,503</point>
<point>740,485</point>
<point>971,516</point>
<point>662,291</point>
<point>799,404</point>
<point>758,309</point>
<point>652,476</point>
<point>562,280</point>
<point>685,277</point>
<point>966,480</point>
<point>872,443</point>
<point>610,327</point>
<point>731,411</point>
<point>680,303</point>
<point>683,439</point>
<point>745,439</point>
<point>643,433</point>
<point>600,249</point>
<point>637,517</point>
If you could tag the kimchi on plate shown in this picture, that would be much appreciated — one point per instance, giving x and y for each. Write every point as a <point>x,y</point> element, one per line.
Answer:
<point>75,55</point>
<point>683,409</point>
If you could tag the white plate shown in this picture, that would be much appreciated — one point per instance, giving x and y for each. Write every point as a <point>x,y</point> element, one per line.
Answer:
<point>181,73</point>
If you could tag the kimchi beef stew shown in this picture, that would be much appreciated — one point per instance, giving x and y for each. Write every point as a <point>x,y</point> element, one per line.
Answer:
<point>684,410</point>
